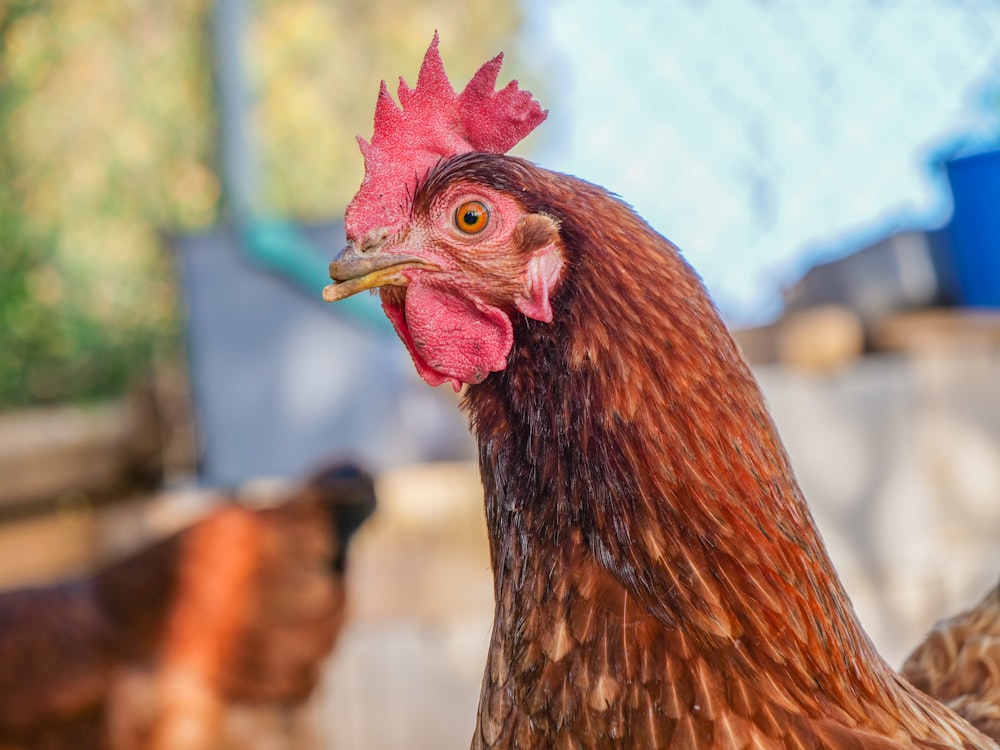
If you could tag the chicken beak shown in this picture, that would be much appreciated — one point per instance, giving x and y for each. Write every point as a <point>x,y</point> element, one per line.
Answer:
<point>365,266</point>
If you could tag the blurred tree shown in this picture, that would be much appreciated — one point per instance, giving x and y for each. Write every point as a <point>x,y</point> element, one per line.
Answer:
<point>107,137</point>
<point>107,134</point>
<point>318,65</point>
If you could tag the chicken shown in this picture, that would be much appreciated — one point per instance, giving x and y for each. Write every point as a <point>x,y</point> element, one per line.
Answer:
<point>152,651</point>
<point>659,580</point>
<point>959,664</point>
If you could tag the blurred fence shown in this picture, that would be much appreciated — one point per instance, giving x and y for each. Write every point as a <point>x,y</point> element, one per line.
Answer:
<point>763,136</point>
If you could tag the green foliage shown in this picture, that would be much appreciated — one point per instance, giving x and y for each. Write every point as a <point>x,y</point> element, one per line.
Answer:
<point>318,65</point>
<point>107,127</point>
<point>107,130</point>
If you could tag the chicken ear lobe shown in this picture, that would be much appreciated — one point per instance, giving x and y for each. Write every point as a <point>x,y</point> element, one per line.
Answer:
<point>543,267</point>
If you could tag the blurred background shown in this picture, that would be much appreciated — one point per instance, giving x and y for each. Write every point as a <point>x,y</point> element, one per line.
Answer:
<point>172,179</point>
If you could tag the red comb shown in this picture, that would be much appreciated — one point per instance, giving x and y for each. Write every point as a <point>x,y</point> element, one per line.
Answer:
<point>433,122</point>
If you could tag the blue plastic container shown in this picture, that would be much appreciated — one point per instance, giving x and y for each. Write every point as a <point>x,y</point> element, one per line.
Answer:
<point>975,228</point>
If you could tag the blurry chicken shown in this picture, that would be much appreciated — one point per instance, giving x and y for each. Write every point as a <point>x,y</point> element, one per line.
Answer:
<point>659,580</point>
<point>152,651</point>
<point>959,664</point>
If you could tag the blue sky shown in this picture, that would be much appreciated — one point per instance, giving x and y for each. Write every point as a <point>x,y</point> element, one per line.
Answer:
<point>764,136</point>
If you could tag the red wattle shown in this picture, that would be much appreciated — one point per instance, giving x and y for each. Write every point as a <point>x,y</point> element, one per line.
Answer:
<point>450,337</point>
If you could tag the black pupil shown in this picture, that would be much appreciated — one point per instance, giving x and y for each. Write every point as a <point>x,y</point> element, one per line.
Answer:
<point>470,217</point>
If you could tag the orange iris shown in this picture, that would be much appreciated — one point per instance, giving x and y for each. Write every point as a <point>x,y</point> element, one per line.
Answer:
<point>472,217</point>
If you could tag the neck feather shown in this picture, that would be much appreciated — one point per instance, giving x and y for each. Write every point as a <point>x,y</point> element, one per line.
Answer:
<point>632,422</point>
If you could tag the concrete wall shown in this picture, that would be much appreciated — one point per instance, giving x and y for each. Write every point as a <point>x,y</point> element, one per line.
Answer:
<point>899,458</point>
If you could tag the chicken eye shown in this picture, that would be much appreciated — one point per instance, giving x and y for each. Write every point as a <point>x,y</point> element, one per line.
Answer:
<point>472,217</point>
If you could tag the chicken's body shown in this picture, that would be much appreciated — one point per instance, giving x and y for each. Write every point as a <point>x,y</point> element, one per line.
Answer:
<point>959,664</point>
<point>659,580</point>
<point>152,651</point>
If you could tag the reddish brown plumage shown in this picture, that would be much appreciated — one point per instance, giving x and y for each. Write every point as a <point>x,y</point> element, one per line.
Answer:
<point>659,581</point>
<point>151,651</point>
<point>637,491</point>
